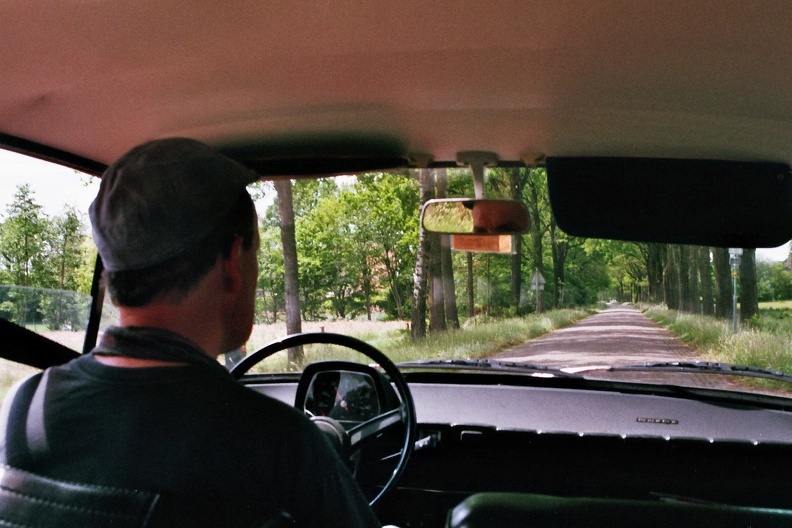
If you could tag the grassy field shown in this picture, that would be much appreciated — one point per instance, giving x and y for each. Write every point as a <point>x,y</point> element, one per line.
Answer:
<point>478,338</point>
<point>776,305</point>
<point>765,341</point>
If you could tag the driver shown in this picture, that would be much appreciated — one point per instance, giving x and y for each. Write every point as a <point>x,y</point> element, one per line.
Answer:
<point>150,407</point>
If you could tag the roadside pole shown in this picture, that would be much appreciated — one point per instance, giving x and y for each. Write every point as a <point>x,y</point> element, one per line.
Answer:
<point>537,285</point>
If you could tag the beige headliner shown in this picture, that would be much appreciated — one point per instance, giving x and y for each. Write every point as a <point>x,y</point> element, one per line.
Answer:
<point>677,79</point>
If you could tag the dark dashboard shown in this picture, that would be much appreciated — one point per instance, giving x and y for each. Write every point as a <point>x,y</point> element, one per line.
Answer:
<point>480,436</point>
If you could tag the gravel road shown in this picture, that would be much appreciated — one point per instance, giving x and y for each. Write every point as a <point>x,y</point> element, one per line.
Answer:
<point>618,335</point>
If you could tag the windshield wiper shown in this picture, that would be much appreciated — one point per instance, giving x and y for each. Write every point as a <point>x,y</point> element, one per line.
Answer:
<point>705,367</point>
<point>491,365</point>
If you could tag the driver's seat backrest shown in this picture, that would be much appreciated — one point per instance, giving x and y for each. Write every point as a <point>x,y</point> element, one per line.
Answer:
<point>35,501</point>
<point>30,500</point>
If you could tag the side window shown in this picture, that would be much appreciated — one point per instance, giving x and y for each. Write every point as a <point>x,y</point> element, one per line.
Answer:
<point>46,253</point>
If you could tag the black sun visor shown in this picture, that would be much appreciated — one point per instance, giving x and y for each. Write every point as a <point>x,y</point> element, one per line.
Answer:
<point>699,202</point>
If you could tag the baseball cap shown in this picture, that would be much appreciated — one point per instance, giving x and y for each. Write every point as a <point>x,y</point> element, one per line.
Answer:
<point>161,198</point>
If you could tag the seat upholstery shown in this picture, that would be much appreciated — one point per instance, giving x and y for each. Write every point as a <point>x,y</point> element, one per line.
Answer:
<point>34,501</point>
<point>507,510</point>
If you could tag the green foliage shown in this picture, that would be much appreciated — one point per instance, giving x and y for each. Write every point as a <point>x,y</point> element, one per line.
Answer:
<point>23,239</point>
<point>481,338</point>
<point>45,263</point>
<point>774,281</point>
<point>758,344</point>
<point>702,332</point>
<point>269,300</point>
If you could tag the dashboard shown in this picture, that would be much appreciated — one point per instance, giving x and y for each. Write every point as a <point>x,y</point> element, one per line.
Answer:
<point>352,397</point>
<point>476,435</point>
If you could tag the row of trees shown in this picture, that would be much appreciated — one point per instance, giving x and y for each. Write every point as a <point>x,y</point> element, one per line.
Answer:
<point>360,250</point>
<point>40,259</point>
<point>352,246</point>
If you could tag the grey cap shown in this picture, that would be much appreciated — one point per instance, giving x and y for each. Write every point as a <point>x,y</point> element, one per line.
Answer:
<point>161,198</point>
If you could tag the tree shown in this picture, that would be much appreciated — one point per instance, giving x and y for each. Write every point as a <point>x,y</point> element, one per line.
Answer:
<point>749,298</point>
<point>328,255</point>
<point>387,207</point>
<point>23,237</point>
<point>723,282</point>
<point>271,274</point>
<point>446,262</point>
<point>418,319</point>
<point>774,281</point>
<point>655,254</point>
<point>64,259</point>
<point>23,240</point>
<point>283,188</point>
<point>538,206</point>
<point>705,277</point>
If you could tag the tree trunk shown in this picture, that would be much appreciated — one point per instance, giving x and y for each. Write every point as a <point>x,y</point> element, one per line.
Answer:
<point>693,280</point>
<point>749,296</point>
<point>447,263</point>
<point>671,278</point>
<point>516,272</point>
<point>367,289</point>
<point>723,283</point>
<point>437,318</point>
<point>517,179</point>
<point>654,272</point>
<point>471,292</point>
<point>705,278</point>
<point>437,321</point>
<point>283,188</point>
<point>449,287</point>
<point>536,234</point>
<point>559,250</point>
<point>683,263</point>
<point>418,320</point>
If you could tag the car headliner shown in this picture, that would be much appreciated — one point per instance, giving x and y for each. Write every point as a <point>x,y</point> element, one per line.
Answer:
<point>519,78</point>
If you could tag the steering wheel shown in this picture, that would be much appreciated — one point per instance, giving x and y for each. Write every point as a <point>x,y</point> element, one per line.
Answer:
<point>405,413</point>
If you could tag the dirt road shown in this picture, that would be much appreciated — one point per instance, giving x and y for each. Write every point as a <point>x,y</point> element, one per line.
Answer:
<point>617,336</point>
<point>621,334</point>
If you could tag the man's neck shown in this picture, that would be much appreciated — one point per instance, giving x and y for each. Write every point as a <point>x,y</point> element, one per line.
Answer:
<point>190,324</point>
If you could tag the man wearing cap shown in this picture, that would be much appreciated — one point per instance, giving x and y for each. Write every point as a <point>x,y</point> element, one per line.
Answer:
<point>150,407</point>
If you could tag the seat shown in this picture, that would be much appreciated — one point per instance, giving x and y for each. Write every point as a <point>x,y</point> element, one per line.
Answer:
<point>507,510</point>
<point>28,500</point>
<point>34,501</point>
<point>31,500</point>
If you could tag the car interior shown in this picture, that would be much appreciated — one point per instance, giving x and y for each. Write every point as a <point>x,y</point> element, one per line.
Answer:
<point>655,122</point>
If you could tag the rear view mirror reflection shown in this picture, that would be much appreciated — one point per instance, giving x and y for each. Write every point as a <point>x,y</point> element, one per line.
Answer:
<point>466,216</point>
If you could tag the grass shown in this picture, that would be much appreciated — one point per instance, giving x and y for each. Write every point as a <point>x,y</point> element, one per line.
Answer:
<point>763,342</point>
<point>11,372</point>
<point>775,305</point>
<point>478,338</point>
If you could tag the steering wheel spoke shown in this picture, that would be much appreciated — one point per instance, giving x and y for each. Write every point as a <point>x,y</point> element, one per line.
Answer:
<point>362,432</point>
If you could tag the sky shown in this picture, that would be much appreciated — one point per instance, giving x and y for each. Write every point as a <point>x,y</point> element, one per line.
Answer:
<point>55,186</point>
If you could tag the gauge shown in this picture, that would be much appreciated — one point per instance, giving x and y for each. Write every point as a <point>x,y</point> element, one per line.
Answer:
<point>343,395</point>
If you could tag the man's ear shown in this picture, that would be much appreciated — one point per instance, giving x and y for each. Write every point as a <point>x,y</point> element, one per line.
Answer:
<point>232,275</point>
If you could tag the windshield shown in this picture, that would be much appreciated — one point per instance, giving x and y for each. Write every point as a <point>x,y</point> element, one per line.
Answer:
<point>543,303</point>
<point>367,269</point>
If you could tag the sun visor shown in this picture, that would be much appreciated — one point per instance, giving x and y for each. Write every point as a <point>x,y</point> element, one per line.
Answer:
<point>698,202</point>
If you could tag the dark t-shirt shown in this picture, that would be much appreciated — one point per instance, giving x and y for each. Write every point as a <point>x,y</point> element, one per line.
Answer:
<point>193,432</point>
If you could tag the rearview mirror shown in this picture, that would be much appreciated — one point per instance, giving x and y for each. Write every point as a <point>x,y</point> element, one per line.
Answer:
<point>466,216</point>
